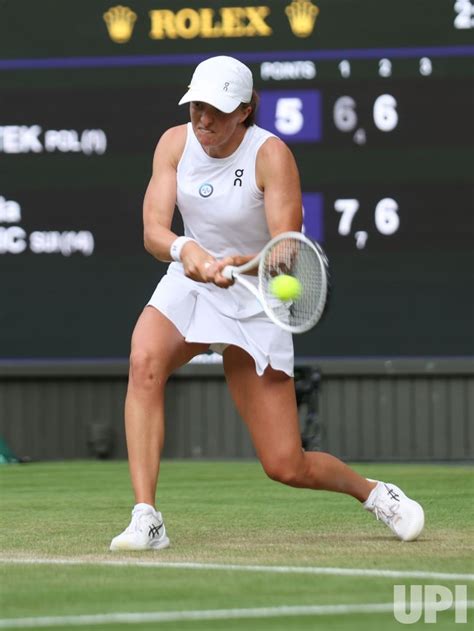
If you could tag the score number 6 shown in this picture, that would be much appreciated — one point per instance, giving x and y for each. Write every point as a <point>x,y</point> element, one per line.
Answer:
<point>384,112</point>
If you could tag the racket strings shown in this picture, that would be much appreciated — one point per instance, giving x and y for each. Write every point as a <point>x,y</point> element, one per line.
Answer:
<point>307,264</point>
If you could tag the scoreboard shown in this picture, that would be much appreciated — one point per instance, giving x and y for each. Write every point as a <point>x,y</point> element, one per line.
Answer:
<point>375,98</point>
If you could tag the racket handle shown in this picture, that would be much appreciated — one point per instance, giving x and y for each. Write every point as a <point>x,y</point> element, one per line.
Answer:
<point>229,271</point>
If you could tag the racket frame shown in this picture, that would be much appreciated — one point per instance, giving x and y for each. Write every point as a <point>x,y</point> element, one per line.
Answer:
<point>234,272</point>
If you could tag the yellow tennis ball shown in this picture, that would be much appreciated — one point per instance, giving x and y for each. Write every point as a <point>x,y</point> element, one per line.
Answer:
<point>285,287</point>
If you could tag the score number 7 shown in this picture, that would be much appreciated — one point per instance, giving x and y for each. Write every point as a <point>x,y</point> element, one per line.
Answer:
<point>387,219</point>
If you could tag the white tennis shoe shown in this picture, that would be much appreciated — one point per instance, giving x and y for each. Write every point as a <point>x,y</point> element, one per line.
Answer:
<point>146,531</point>
<point>403,516</point>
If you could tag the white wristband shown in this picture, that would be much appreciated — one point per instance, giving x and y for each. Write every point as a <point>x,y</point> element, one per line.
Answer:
<point>177,246</point>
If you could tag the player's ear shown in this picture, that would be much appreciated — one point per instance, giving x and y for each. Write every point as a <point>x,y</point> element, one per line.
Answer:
<point>245,112</point>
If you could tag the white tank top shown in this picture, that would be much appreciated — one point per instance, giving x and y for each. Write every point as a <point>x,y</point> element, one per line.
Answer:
<point>221,205</point>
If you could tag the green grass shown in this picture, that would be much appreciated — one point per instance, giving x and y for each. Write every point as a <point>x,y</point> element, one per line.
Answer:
<point>221,512</point>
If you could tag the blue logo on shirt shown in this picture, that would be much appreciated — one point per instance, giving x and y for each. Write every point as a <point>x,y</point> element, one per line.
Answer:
<point>206,190</point>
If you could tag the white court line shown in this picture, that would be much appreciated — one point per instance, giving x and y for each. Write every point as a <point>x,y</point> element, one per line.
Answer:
<point>277,569</point>
<point>209,614</point>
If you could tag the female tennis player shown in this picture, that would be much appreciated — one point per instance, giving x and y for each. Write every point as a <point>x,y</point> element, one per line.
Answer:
<point>236,186</point>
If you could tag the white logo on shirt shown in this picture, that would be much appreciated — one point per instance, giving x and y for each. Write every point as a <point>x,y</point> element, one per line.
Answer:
<point>206,190</point>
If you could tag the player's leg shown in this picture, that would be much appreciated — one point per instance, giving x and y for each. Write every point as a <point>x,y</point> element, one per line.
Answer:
<point>268,406</point>
<point>157,350</point>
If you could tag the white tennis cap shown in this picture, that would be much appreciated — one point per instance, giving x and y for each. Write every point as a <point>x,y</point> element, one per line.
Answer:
<point>223,82</point>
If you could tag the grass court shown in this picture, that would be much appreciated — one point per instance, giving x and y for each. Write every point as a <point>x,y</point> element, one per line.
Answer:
<point>246,552</point>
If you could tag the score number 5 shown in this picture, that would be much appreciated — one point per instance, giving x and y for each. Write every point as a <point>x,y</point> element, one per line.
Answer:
<point>294,115</point>
<point>289,118</point>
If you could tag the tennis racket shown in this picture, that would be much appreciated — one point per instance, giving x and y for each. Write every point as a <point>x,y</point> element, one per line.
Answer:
<point>289,253</point>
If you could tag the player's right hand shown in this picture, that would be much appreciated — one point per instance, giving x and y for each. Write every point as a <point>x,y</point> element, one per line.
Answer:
<point>197,262</point>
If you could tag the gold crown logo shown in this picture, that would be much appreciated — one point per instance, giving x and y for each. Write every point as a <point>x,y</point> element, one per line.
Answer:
<point>302,15</point>
<point>120,22</point>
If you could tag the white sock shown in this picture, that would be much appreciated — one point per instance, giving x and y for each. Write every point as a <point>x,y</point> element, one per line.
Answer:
<point>369,502</point>
<point>145,507</point>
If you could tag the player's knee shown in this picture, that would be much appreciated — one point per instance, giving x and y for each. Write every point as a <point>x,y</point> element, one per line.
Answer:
<point>145,370</point>
<point>286,470</point>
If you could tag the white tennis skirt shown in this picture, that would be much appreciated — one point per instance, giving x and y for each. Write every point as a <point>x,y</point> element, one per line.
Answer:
<point>207,314</point>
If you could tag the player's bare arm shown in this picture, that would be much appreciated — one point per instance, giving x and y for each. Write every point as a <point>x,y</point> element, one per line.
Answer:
<point>277,175</point>
<point>160,196</point>
<point>159,205</point>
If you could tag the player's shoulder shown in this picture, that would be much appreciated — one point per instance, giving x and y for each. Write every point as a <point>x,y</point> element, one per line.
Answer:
<point>173,136</point>
<point>274,149</point>
<point>275,163</point>
<point>267,141</point>
<point>172,143</point>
